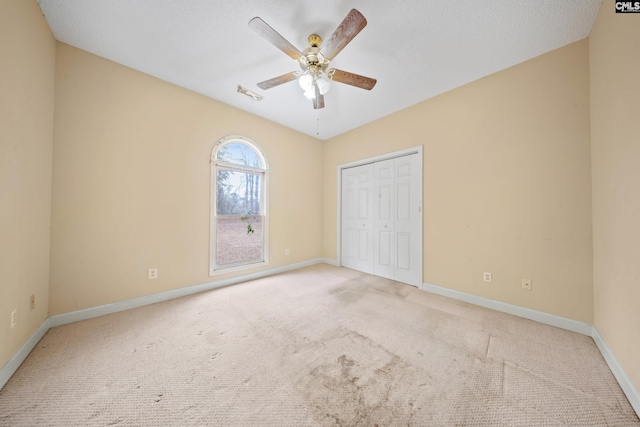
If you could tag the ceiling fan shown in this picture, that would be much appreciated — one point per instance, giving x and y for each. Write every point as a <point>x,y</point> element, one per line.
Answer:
<point>315,78</point>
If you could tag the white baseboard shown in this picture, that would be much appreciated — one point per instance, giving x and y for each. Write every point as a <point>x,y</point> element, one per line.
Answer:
<point>549,319</point>
<point>16,360</point>
<point>527,313</point>
<point>88,313</point>
<point>331,262</point>
<point>624,381</point>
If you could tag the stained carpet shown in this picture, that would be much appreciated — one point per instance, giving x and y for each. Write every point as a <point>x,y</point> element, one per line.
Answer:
<point>319,346</point>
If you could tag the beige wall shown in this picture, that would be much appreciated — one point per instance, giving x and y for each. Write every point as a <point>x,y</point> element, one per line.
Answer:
<point>27,61</point>
<point>131,183</point>
<point>506,182</point>
<point>615,145</point>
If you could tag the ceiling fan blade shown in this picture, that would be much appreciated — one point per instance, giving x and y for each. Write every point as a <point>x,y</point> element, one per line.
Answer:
<point>262,28</point>
<point>351,79</point>
<point>318,100</point>
<point>285,78</point>
<point>346,31</point>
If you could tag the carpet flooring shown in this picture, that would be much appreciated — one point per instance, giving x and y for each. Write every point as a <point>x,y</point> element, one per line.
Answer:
<point>318,346</point>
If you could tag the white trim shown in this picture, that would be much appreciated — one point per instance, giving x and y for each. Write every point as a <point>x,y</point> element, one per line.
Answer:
<point>331,262</point>
<point>237,267</point>
<point>625,382</point>
<point>386,156</point>
<point>243,140</point>
<point>527,313</point>
<point>16,360</point>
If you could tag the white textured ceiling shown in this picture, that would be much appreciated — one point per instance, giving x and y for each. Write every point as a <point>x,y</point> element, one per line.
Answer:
<point>416,49</point>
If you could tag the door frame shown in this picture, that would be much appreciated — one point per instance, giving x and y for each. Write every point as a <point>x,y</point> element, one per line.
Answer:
<point>387,156</point>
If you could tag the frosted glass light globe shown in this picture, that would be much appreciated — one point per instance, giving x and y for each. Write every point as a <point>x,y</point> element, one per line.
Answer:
<point>306,82</point>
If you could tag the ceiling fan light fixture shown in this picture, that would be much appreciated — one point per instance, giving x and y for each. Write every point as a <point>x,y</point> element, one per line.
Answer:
<point>315,77</point>
<point>306,81</point>
<point>310,93</point>
<point>324,83</point>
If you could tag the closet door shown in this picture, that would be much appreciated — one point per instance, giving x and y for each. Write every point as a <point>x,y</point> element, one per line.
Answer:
<point>408,220</point>
<point>384,239</point>
<point>382,219</point>
<point>357,215</point>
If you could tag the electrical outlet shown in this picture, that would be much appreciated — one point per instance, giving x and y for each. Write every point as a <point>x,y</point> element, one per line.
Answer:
<point>487,276</point>
<point>14,317</point>
<point>526,284</point>
<point>287,252</point>
<point>153,273</point>
<point>32,302</point>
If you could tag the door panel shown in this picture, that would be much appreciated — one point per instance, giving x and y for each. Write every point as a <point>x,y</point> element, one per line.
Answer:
<point>384,241</point>
<point>363,244</point>
<point>365,213</point>
<point>404,251</point>
<point>357,202</point>
<point>348,241</point>
<point>408,227</point>
<point>384,249</point>
<point>403,202</point>
<point>363,203</point>
<point>349,249</point>
<point>384,206</point>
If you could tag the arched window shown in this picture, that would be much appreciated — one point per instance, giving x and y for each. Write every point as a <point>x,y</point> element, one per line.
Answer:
<point>239,173</point>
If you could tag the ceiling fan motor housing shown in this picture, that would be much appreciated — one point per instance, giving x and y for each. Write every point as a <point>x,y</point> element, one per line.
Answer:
<point>312,59</point>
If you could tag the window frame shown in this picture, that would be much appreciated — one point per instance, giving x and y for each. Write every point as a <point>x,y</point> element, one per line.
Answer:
<point>214,268</point>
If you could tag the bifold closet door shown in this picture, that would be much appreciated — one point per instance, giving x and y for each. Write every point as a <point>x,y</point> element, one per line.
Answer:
<point>408,219</point>
<point>382,219</point>
<point>357,218</point>
<point>384,238</point>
